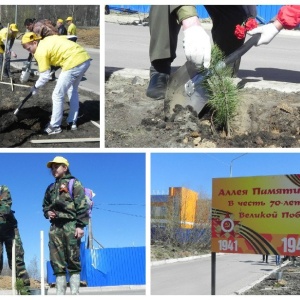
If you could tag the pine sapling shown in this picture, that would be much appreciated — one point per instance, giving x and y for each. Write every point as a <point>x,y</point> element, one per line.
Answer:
<point>222,93</point>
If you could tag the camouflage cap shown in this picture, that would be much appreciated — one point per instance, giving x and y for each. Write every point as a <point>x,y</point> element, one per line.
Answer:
<point>58,160</point>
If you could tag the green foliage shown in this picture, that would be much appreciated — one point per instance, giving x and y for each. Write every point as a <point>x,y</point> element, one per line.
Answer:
<point>21,289</point>
<point>221,91</point>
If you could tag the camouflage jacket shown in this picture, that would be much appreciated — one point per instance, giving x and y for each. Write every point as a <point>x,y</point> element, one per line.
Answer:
<point>44,28</point>
<point>58,199</point>
<point>6,213</point>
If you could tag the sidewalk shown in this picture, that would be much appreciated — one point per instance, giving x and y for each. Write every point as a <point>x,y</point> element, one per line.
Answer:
<point>273,268</point>
<point>113,290</point>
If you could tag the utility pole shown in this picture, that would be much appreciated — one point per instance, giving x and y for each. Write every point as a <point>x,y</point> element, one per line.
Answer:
<point>16,14</point>
<point>90,240</point>
<point>232,162</point>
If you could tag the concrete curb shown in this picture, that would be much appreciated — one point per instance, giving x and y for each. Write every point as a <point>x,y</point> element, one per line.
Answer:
<point>284,87</point>
<point>52,291</point>
<point>174,260</point>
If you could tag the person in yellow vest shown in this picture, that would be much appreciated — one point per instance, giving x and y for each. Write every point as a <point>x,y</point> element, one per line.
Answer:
<point>8,34</point>
<point>58,51</point>
<point>72,29</point>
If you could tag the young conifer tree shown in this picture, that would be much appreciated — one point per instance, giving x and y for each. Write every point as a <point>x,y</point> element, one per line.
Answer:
<point>221,91</point>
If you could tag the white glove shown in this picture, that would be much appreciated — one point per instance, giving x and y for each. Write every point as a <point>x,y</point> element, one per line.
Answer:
<point>197,46</point>
<point>268,32</point>
<point>34,90</point>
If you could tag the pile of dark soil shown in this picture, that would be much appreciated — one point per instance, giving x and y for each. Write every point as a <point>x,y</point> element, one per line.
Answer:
<point>272,285</point>
<point>28,125</point>
<point>265,119</point>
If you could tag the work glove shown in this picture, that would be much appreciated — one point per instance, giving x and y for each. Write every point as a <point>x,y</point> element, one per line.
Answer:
<point>268,32</point>
<point>197,46</point>
<point>34,90</point>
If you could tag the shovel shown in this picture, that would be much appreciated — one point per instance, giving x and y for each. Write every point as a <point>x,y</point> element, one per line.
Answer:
<point>9,119</point>
<point>22,103</point>
<point>4,54</point>
<point>184,85</point>
<point>26,73</point>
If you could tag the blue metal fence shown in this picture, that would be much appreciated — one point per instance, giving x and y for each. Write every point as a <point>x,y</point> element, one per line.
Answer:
<point>110,266</point>
<point>265,12</point>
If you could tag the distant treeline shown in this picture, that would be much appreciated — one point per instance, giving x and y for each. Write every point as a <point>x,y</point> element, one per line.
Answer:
<point>83,15</point>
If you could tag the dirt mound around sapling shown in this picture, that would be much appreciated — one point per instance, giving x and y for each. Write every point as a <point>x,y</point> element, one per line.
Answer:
<point>265,119</point>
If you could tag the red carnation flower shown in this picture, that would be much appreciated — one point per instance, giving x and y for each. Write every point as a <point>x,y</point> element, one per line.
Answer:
<point>251,24</point>
<point>240,32</point>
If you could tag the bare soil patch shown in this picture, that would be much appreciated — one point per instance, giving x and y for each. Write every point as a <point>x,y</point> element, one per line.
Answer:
<point>287,285</point>
<point>29,124</point>
<point>5,283</point>
<point>265,119</point>
<point>89,37</point>
<point>35,115</point>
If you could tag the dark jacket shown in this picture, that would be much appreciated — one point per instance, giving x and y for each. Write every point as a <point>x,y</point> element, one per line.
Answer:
<point>62,30</point>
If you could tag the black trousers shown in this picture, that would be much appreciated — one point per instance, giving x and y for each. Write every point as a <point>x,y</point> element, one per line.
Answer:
<point>164,30</point>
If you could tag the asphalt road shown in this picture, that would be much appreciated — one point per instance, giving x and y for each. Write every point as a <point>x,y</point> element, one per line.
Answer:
<point>92,75</point>
<point>234,272</point>
<point>127,46</point>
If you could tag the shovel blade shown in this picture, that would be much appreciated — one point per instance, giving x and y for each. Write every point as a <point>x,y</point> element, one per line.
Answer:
<point>180,82</point>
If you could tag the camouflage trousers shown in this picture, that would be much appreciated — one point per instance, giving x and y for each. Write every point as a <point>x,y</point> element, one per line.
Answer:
<point>7,234</point>
<point>64,248</point>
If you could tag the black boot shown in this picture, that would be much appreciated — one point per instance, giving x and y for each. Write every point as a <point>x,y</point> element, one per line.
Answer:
<point>157,85</point>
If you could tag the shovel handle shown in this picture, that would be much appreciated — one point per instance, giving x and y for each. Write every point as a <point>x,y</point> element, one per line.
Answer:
<point>22,103</point>
<point>243,49</point>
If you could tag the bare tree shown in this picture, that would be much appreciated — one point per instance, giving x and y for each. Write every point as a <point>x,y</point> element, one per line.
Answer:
<point>83,15</point>
<point>33,268</point>
<point>185,226</point>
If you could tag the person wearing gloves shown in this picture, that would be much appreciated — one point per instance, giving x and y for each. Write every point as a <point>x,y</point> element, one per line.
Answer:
<point>7,35</point>
<point>165,22</point>
<point>58,51</point>
<point>288,17</point>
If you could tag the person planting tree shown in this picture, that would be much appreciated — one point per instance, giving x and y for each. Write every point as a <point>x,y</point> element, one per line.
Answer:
<point>74,60</point>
